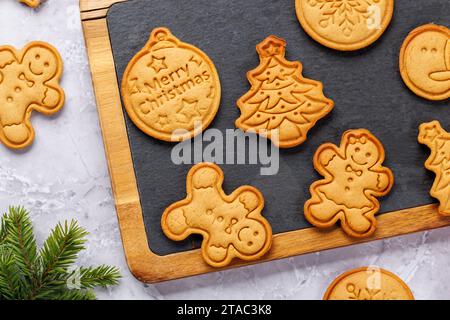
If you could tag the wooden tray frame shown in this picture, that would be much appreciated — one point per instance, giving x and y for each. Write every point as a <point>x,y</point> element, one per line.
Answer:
<point>145,264</point>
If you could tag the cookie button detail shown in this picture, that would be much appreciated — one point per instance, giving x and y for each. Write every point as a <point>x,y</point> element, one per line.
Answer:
<point>358,159</point>
<point>368,283</point>
<point>29,80</point>
<point>171,89</point>
<point>231,225</point>
<point>345,24</point>
<point>425,62</point>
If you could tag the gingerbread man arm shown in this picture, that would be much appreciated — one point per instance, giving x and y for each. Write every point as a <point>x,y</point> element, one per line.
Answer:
<point>328,160</point>
<point>6,57</point>
<point>379,181</point>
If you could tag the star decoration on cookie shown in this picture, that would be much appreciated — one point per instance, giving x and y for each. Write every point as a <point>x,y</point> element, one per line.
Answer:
<point>158,64</point>
<point>272,48</point>
<point>431,133</point>
<point>189,110</point>
<point>163,120</point>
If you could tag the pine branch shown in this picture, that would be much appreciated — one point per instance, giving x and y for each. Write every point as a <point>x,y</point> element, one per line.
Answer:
<point>59,252</point>
<point>101,276</point>
<point>26,273</point>
<point>3,231</point>
<point>75,294</point>
<point>10,280</point>
<point>20,239</point>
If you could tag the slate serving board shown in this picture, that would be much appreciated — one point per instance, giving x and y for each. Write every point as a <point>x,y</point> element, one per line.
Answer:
<point>365,85</point>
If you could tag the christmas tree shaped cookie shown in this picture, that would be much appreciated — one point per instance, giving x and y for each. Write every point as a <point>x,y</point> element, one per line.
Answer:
<point>438,140</point>
<point>353,179</point>
<point>281,105</point>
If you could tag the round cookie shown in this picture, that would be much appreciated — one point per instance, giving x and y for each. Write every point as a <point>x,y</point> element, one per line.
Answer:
<point>345,25</point>
<point>171,89</point>
<point>368,283</point>
<point>425,62</point>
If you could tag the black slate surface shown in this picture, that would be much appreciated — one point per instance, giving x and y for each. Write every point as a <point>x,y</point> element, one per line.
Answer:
<point>365,85</point>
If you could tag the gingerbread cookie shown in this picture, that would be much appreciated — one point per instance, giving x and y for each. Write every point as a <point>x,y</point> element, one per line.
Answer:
<point>354,177</point>
<point>438,140</point>
<point>171,89</point>
<point>425,62</point>
<point>231,225</point>
<point>29,80</point>
<point>281,105</point>
<point>368,283</point>
<point>31,3</point>
<point>345,24</point>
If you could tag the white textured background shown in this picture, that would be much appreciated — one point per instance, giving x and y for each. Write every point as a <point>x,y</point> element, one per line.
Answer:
<point>64,175</point>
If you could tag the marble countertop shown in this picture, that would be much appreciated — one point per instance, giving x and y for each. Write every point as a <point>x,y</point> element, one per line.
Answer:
<point>64,175</point>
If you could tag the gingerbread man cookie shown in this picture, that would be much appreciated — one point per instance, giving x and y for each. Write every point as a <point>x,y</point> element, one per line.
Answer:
<point>29,80</point>
<point>438,140</point>
<point>345,24</point>
<point>31,3</point>
<point>425,62</point>
<point>368,283</point>
<point>354,177</point>
<point>281,105</point>
<point>171,89</point>
<point>231,225</point>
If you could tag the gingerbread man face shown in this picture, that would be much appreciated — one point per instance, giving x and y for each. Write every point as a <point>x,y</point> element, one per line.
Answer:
<point>438,140</point>
<point>231,225</point>
<point>353,178</point>
<point>362,150</point>
<point>29,80</point>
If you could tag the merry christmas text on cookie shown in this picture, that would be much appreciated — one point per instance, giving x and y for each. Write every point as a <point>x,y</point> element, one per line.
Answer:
<point>368,283</point>
<point>29,80</point>
<point>171,89</point>
<point>345,24</point>
<point>438,140</point>
<point>425,62</point>
<point>354,177</point>
<point>231,225</point>
<point>31,3</point>
<point>281,105</point>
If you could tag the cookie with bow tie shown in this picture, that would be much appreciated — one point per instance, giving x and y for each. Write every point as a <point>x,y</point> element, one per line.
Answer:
<point>353,179</point>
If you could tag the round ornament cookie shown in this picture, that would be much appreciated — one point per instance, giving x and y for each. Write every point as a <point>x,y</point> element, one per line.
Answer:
<point>171,89</point>
<point>425,62</point>
<point>368,283</point>
<point>345,25</point>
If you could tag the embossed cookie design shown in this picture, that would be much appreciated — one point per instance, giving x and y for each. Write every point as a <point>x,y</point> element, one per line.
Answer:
<point>171,89</point>
<point>231,225</point>
<point>425,62</point>
<point>281,105</point>
<point>368,283</point>
<point>354,177</point>
<point>345,25</point>
<point>438,140</point>
<point>31,3</point>
<point>29,80</point>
